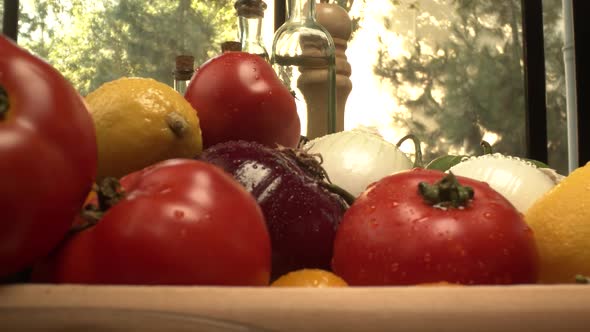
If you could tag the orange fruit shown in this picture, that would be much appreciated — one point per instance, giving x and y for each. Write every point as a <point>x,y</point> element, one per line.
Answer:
<point>309,278</point>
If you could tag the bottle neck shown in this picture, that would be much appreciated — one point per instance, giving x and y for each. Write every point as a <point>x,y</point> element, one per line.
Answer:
<point>301,10</point>
<point>250,29</point>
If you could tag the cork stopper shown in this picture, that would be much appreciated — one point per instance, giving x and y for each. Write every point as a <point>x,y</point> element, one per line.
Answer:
<point>185,67</point>
<point>250,8</point>
<point>233,46</point>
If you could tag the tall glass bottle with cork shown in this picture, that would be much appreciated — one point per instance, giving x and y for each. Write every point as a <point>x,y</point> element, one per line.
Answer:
<point>303,55</point>
<point>250,15</point>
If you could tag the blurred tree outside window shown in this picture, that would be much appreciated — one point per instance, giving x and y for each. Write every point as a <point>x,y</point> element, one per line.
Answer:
<point>451,72</point>
<point>448,71</point>
<point>92,42</point>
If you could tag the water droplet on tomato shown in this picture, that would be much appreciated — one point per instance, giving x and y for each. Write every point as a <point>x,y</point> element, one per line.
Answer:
<point>487,215</point>
<point>481,265</point>
<point>394,204</point>
<point>394,267</point>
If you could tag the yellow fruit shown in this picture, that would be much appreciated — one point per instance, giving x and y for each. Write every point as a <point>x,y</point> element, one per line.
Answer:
<point>560,220</point>
<point>139,122</point>
<point>440,283</point>
<point>309,278</point>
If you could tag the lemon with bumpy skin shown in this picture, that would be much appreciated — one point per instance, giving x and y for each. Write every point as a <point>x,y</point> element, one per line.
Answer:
<point>560,220</point>
<point>140,121</point>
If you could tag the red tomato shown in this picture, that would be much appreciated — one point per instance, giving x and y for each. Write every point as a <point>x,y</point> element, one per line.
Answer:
<point>179,222</point>
<point>392,236</point>
<point>238,96</point>
<point>47,157</point>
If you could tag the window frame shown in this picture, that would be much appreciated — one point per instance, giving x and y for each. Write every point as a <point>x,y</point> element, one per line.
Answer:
<point>580,7</point>
<point>534,70</point>
<point>10,19</point>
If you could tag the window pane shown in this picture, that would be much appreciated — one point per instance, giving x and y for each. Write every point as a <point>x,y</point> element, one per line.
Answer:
<point>92,42</point>
<point>555,77</point>
<point>450,72</point>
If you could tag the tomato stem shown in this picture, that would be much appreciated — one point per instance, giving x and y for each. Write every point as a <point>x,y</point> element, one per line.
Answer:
<point>418,163</point>
<point>109,193</point>
<point>447,192</point>
<point>4,103</point>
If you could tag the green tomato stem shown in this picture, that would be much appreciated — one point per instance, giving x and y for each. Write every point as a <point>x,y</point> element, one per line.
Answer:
<point>4,103</point>
<point>109,193</point>
<point>447,192</point>
<point>418,163</point>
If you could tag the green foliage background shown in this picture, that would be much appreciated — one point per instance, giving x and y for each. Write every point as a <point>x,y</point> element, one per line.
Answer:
<point>479,70</point>
<point>476,66</point>
<point>92,42</point>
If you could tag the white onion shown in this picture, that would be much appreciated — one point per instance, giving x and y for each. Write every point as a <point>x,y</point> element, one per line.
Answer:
<point>356,158</point>
<point>518,180</point>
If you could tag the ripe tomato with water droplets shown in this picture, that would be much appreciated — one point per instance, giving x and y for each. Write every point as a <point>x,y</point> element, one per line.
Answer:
<point>238,96</point>
<point>177,222</point>
<point>422,226</point>
<point>48,157</point>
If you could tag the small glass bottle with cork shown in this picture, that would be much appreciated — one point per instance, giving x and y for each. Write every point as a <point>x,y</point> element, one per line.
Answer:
<point>183,72</point>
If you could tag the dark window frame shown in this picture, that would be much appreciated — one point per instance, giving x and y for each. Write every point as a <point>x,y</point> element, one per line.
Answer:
<point>534,68</point>
<point>10,19</point>
<point>580,7</point>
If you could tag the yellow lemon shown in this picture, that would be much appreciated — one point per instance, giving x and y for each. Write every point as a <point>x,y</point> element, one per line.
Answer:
<point>309,278</point>
<point>560,220</point>
<point>139,122</point>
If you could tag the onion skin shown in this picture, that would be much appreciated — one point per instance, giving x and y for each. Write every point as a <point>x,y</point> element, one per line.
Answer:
<point>301,214</point>
<point>517,179</point>
<point>355,159</point>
